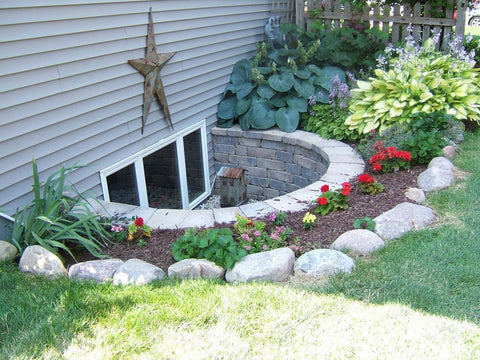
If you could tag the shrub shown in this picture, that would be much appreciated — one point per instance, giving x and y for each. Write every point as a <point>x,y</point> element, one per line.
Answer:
<point>216,245</point>
<point>59,217</point>
<point>418,80</point>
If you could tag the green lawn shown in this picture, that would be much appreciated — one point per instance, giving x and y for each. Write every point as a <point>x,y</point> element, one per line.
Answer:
<point>474,30</point>
<point>416,299</point>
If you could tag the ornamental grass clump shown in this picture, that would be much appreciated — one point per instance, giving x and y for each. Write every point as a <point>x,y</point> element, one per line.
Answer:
<point>416,79</point>
<point>330,200</point>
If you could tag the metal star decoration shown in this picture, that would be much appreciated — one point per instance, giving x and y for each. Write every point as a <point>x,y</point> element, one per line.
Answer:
<point>150,66</point>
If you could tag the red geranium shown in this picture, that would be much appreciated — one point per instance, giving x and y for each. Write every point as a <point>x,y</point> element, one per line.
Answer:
<point>139,222</point>
<point>365,178</point>
<point>325,188</point>
<point>322,200</point>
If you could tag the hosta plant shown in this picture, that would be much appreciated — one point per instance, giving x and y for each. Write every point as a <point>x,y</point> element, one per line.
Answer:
<point>273,87</point>
<point>418,80</point>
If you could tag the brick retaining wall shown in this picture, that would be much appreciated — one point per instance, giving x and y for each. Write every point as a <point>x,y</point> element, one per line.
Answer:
<point>276,162</point>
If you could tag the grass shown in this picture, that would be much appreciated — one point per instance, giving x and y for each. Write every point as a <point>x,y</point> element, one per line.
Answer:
<point>474,30</point>
<point>417,298</point>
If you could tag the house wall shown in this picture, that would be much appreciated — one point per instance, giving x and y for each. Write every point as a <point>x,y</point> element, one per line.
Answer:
<point>67,93</point>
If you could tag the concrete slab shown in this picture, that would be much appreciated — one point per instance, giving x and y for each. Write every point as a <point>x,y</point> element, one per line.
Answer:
<point>341,172</point>
<point>114,209</point>
<point>198,219</point>
<point>256,210</point>
<point>287,203</point>
<point>226,215</point>
<point>144,212</point>
<point>168,218</point>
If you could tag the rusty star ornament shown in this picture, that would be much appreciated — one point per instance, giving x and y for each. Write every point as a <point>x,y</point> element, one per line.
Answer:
<point>150,66</point>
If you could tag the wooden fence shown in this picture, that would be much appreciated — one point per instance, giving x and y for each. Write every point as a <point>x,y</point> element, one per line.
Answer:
<point>391,19</point>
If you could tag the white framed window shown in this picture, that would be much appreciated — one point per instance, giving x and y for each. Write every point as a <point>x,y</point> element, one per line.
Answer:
<point>170,174</point>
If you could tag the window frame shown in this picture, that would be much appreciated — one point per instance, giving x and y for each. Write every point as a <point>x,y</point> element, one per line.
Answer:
<point>137,161</point>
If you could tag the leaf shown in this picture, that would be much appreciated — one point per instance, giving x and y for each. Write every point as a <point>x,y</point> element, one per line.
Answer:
<point>299,104</point>
<point>265,91</point>
<point>226,108</point>
<point>287,119</point>
<point>242,106</point>
<point>281,82</point>
<point>242,72</point>
<point>245,89</point>
<point>303,74</point>
<point>279,100</point>
<point>262,116</point>
<point>304,88</point>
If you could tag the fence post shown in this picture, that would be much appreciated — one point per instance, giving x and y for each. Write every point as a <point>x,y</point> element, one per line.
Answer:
<point>300,13</point>
<point>461,18</point>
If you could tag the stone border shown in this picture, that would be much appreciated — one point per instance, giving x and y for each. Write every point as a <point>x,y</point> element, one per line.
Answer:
<point>344,163</point>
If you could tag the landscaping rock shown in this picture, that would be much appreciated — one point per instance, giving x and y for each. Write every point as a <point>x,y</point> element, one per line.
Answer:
<point>96,270</point>
<point>323,262</point>
<point>415,194</point>
<point>37,260</point>
<point>360,241</point>
<point>401,219</point>
<point>273,265</point>
<point>7,251</point>
<point>449,151</point>
<point>195,269</point>
<point>435,178</point>
<point>137,272</point>
<point>441,163</point>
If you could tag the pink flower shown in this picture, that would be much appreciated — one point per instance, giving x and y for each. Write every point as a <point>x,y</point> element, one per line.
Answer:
<point>264,247</point>
<point>257,233</point>
<point>116,228</point>
<point>247,248</point>
<point>245,237</point>
<point>273,216</point>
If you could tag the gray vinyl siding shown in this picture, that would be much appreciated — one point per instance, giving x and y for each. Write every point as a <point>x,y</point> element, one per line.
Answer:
<point>67,93</point>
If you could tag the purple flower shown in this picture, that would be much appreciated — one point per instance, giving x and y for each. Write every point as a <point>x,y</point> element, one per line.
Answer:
<point>264,247</point>
<point>245,237</point>
<point>273,216</point>
<point>257,233</point>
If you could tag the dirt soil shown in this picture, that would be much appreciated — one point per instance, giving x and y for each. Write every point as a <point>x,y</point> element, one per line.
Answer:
<point>325,231</point>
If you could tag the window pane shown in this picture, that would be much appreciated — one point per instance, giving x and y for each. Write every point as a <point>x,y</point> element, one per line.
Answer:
<point>194,163</point>
<point>161,177</point>
<point>122,186</point>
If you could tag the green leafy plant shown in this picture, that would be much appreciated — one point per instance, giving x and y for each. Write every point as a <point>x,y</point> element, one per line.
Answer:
<point>330,200</point>
<point>216,245</point>
<point>273,87</point>
<point>254,236</point>
<point>138,229</point>
<point>141,243</point>
<point>418,80</point>
<point>59,217</point>
<point>369,184</point>
<point>118,233</point>
<point>364,223</point>
<point>308,221</point>
<point>389,159</point>
<point>278,218</point>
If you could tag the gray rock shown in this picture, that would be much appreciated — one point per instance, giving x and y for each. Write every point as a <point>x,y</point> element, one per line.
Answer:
<point>195,269</point>
<point>360,241</point>
<point>449,151</point>
<point>435,178</point>
<point>323,262</point>
<point>401,219</point>
<point>37,260</point>
<point>137,272</point>
<point>441,163</point>
<point>96,270</point>
<point>7,251</point>
<point>415,194</point>
<point>273,265</point>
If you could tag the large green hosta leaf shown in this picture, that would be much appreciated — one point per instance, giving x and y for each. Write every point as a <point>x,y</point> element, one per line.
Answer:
<point>304,88</point>
<point>265,91</point>
<point>287,119</point>
<point>226,108</point>
<point>298,104</point>
<point>326,75</point>
<point>262,116</point>
<point>242,72</point>
<point>281,82</point>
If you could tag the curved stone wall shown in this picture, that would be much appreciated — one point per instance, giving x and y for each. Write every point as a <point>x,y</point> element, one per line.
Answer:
<point>341,163</point>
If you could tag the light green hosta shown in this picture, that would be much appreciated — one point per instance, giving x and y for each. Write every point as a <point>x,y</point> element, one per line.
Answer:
<point>427,83</point>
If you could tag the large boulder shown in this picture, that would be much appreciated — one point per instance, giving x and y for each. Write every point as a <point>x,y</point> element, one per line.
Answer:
<point>323,262</point>
<point>403,218</point>
<point>37,260</point>
<point>195,269</point>
<point>7,251</point>
<point>360,242</point>
<point>137,272</point>
<point>96,270</point>
<point>273,265</point>
<point>439,175</point>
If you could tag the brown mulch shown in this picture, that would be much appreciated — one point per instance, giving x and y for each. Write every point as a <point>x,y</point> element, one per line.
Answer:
<point>325,231</point>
